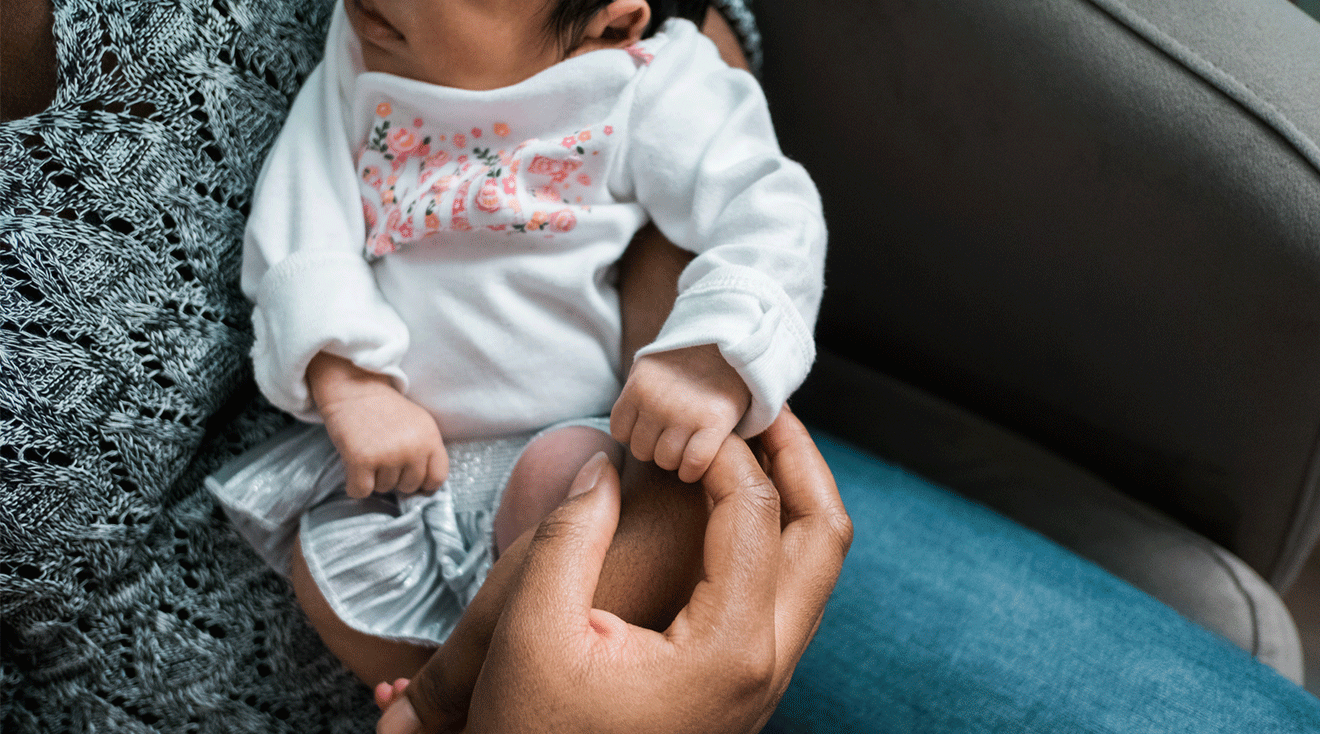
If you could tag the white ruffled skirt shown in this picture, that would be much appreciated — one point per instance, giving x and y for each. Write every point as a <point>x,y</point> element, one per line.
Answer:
<point>401,567</point>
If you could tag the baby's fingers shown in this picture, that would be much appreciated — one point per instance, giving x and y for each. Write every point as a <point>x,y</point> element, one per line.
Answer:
<point>700,452</point>
<point>645,435</point>
<point>622,419</point>
<point>359,480</point>
<point>437,470</point>
<point>412,476</point>
<point>387,478</point>
<point>670,447</point>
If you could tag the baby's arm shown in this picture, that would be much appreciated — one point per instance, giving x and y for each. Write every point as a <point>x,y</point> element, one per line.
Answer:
<point>387,441</point>
<point>738,339</point>
<point>677,408</point>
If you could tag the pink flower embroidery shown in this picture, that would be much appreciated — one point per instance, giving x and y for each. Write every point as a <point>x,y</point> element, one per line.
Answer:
<point>538,220</point>
<point>369,213</point>
<point>548,193</point>
<point>609,129</point>
<point>460,198</point>
<point>371,175</point>
<point>423,149</point>
<point>554,168</point>
<point>510,185</point>
<point>402,141</point>
<point>476,132</point>
<point>383,109</point>
<point>460,224</point>
<point>417,122</point>
<point>443,184</point>
<point>460,140</point>
<point>563,221</point>
<point>501,129</point>
<point>380,245</point>
<point>568,142</point>
<point>497,227</point>
<point>639,54</point>
<point>432,222</point>
<point>433,163</point>
<point>387,196</point>
<point>584,179</point>
<point>584,135</point>
<point>488,198</point>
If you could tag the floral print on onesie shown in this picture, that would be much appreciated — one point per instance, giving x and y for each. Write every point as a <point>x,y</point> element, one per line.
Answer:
<point>418,181</point>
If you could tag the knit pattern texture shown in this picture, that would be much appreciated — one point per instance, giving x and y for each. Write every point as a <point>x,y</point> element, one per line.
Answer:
<point>128,604</point>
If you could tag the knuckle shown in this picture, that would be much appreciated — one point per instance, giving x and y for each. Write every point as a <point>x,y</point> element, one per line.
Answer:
<point>761,498</point>
<point>840,531</point>
<point>750,673</point>
<point>555,529</point>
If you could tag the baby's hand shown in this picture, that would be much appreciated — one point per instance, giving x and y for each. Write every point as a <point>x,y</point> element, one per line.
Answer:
<point>387,441</point>
<point>678,407</point>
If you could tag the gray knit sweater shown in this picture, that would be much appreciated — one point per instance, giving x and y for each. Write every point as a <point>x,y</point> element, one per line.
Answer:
<point>127,602</point>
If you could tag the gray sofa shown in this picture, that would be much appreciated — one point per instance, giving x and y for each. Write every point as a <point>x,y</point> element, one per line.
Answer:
<point>1075,273</point>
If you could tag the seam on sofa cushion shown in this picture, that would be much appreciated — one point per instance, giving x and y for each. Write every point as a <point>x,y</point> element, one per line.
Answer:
<point>1252,613</point>
<point>1225,82</point>
<point>1305,531</point>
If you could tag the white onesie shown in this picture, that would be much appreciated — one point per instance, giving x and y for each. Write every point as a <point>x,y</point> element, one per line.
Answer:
<point>492,220</point>
<point>463,243</point>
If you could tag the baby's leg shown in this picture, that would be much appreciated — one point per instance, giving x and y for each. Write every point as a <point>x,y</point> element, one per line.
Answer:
<point>540,479</point>
<point>655,559</point>
<point>373,659</point>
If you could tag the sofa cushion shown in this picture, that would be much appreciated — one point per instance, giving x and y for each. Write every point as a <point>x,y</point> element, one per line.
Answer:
<point>1067,504</point>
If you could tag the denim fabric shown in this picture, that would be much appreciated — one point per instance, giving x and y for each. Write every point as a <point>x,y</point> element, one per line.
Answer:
<point>950,618</point>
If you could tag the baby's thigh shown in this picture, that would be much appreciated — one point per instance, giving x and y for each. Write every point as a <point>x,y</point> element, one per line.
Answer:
<point>541,478</point>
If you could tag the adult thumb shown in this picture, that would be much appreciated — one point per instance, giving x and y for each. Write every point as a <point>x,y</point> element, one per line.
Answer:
<point>563,561</point>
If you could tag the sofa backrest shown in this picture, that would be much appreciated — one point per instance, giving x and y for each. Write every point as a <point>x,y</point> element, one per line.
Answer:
<point>1095,223</point>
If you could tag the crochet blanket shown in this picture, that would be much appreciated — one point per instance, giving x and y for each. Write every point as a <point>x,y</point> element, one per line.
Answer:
<point>127,603</point>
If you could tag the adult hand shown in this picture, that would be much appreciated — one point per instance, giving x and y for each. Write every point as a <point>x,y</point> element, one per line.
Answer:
<point>555,663</point>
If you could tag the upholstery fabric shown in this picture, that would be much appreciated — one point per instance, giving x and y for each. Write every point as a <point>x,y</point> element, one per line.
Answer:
<point>1095,223</point>
<point>982,462</point>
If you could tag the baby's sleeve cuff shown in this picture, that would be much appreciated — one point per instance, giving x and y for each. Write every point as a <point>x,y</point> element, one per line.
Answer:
<point>315,301</point>
<point>758,331</point>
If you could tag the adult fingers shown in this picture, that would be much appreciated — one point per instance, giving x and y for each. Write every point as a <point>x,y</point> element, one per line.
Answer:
<point>816,535</point>
<point>439,695</point>
<point>741,548</point>
<point>564,558</point>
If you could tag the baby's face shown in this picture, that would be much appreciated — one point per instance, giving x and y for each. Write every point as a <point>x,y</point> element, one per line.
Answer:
<point>467,44</point>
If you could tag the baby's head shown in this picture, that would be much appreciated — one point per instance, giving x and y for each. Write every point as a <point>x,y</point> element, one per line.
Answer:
<point>487,44</point>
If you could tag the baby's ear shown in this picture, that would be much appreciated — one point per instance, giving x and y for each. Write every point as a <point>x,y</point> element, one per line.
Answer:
<point>617,25</point>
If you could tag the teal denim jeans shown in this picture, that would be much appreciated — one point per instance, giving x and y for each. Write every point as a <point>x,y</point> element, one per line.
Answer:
<point>949,618</point>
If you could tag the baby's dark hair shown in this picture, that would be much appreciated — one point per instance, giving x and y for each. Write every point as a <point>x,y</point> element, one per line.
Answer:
<point>569,18</point>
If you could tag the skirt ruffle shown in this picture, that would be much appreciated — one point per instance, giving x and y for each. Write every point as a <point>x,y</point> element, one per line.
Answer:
<point>401,567</point>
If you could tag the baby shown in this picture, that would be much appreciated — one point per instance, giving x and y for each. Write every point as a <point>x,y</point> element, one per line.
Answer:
<point>496,158</point>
